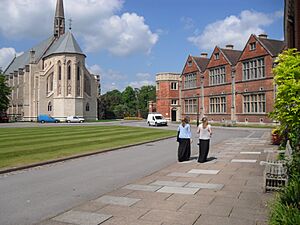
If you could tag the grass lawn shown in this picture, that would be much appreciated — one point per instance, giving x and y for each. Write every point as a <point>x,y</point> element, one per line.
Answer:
<point>23,146</point>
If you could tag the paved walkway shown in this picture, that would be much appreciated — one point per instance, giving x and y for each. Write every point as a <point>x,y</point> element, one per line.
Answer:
<point>227,190</point>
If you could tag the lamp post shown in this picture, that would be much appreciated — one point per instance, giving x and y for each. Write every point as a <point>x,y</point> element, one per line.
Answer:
<point>197,99</point>
<point>197,110</point>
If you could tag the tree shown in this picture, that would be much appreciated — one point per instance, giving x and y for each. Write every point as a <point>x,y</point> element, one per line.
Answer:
<point>4,93</point>
<point>287,102</point>
<point>146,94</point>
<point>107,104</point>
<point>130,101</point>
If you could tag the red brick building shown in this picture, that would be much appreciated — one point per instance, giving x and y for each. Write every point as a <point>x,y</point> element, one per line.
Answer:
<point>192,81</point>
<point>168,95</point>
<point>255,90</point>
<point>231,85</point>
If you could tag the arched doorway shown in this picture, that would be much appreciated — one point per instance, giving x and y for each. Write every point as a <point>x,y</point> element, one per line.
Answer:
<point>173,114</point>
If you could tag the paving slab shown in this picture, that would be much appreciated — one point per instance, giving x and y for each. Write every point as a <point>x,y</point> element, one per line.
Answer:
<point>166,216</point>
<point>128,221</point>
<point>179,190</point>
<point>219,220</point>
<point>199,171</point>
<point>140,187</point>
<point>204,185</point>
<point>162,204</point>
<point>155,196</point>
<point>82,218</point>
<point>243,161</point>
<point>178,174</point>
<point>169,183</point>
<point>131,213</point>
<point>250,153</point>
<point>108,199</point>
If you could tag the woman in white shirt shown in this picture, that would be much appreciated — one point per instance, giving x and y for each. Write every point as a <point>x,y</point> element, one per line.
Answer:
<point>205,132</point>
<point>184,138</point>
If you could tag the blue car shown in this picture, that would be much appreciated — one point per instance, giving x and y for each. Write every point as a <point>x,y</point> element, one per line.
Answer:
<point>47,119</point>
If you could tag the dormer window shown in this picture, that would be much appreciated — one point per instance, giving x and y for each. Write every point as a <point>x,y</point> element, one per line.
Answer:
<point>189,63</point>
<point>252,46</point>
<point>217,56</point>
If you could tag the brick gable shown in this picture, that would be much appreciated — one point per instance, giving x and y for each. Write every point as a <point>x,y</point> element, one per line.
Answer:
<point>259,51</point>
<point>190,66</point>
<point>217,62</point>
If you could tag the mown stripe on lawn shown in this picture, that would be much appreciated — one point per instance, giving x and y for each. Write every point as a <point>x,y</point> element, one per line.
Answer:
<point>55,146</point>
<point>36,140</point>
<point>71,149</point>
<point>27,132</point>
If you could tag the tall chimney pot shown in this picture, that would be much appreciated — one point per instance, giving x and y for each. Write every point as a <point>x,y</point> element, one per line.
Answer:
<point>229,46</point>
<point>204,55</point>
<point>265,36</point>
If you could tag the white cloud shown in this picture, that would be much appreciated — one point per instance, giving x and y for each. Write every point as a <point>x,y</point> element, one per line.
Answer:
<point>6,56</point>
<point>138,84</point>
<point>233,30</point>
<point>143,75</point>
<point>121,35</point>
<point>188,23</point>
<point>110,79</point>
<point>96,21</point>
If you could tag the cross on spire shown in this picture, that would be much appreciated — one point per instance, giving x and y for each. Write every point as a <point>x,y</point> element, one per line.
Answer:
<point>70,23</point>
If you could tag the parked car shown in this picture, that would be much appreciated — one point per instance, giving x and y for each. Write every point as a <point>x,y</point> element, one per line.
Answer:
<point>47,119</point>
<point>156,119</point>
<point>74,119</point>
<point>3,118</point>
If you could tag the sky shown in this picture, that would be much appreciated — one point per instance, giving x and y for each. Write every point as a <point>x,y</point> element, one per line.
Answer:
<point>128,42</point>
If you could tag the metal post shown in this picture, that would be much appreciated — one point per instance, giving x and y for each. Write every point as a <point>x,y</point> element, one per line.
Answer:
<point>197,110</point>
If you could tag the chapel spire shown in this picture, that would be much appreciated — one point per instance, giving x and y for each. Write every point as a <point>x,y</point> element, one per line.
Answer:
<point>59,20</point>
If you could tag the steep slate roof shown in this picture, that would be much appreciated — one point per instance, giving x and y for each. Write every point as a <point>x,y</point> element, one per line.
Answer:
<point>273,46</point>
<point>65,44</point>
<point>22,60</point>
<point>201,62</point>
<point>232,55</point>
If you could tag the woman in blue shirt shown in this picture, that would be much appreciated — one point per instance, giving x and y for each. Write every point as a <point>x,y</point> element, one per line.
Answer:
<point>184,138</point>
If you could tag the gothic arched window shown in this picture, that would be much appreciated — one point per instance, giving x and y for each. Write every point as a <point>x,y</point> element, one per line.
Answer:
<point>69,70</point>
<point>49,107</point>
<point>87,107</point>
<point>49,83</point>
<point>87,85</point>
<point>59,70</point>
<point>78,72</point>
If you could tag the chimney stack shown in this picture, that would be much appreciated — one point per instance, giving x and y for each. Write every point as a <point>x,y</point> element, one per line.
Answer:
<point>229,46</point>
<point>204,55</point>
<point>32,56</point>
<point>265,36</point>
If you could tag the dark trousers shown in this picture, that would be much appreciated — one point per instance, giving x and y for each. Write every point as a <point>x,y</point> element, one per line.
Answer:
<point>203,150</point>
<point>184,150</point>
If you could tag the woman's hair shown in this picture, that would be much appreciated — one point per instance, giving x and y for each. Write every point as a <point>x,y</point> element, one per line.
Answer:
<point>184,121</point>
<point>204,122</point>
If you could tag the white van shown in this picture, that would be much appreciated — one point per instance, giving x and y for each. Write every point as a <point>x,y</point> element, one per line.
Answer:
<point>156,119</point>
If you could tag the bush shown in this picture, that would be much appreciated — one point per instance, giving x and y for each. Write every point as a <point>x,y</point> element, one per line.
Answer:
<point>285,209</point>
<point>133,118</point>
<point>283,214</point>
<point>287,102</point>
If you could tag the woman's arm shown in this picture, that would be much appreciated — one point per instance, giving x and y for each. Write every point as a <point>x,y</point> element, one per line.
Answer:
<point>209,130</point>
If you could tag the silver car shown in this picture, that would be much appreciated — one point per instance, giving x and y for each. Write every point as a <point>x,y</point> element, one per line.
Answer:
<point>74,119</point>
